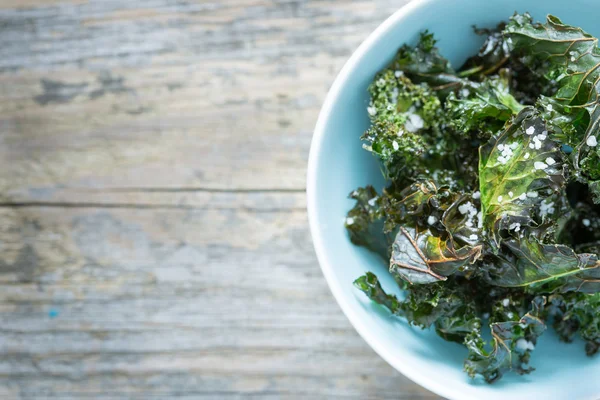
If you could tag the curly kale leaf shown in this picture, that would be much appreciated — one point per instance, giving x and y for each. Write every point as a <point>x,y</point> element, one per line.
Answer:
<point>513,342</point>
<point>398,153</point>
<point>449,306</point>
<point>577,313</point>
<point>516,170</point>
<point>571,57</point>
<point>424,64</point>
<point>420,204</point>
<point>485,108</point>
<point>364,222</point>
<point>493,54</point>
<point>545,268</point>
<point>411,107</point>
<point>369,284</point>
<point>420,257</point>
<point>407,124</point>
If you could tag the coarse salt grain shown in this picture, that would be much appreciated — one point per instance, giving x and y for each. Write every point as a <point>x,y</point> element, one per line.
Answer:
<point>511,194</point>
<point>527,155</point>
<point>540,165</point>
<point>473,237</point>
<point>530,130</point>
<point>349,221</point>
<point>506,302</point>
<point>431,220</point>
<point>499,198</point>
<point>591,141</point>
<point>371,110</point>
<point>523,345</point>
<point>476,195</point>
<point>550,161</point>
<point>586,222</point>
<point>398,74</point>
<point>414,122</point>
<point>395,145</point>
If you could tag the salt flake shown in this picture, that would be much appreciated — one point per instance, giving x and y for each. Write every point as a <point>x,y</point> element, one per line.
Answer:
<point>591,141</point>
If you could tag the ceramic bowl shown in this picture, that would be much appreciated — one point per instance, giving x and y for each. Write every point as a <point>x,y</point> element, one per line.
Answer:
<point>338,164</point>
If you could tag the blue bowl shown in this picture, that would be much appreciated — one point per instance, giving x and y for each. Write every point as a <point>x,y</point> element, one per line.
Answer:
<point>337,165</point>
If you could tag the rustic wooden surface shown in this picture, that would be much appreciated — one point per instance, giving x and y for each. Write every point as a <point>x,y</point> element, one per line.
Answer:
<point>153,233</point>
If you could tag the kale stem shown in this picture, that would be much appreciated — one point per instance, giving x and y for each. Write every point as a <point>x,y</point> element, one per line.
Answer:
<point>470,71</point>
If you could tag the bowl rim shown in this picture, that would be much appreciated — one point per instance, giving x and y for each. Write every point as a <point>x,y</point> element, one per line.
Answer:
<point>363,330</point>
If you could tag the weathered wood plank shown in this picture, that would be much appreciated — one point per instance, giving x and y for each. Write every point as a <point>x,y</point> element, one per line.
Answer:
<point>90,296</point>
<point>168,94</point>
<point>153,238</point>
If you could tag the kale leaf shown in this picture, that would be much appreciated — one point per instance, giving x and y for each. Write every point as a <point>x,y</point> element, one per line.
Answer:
<point>571,57</point>
<point>517,169</point>
<point>420,257</point>
<point>513,342</point>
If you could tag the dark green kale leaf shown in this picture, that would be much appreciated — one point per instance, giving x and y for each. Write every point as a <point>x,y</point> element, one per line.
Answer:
<point>364,222</point>
<point>493,54</point>
<point>399,153</point>
<point>408,122</point>
<point>419,257</point>
<point>517,168</point>
<point>411,107</point>
<point>574,313</point>
<point>484,109</point>
<point>513,342</point>
<point>571,57</point>
<point>461,220</point>
<point>420,204</point>
<point>370,285</point>
<point>424,64</point>
<point>450,306</point>
<point>545,268</point>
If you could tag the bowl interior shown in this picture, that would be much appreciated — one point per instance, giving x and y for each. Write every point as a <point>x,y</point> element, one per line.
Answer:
<point>338,165</point>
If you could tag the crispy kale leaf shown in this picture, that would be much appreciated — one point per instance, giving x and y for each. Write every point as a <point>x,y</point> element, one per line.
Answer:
<point>546,268</point>
<point>493,54</point>
<point>370,285</point>
<point>513,342</point>
<point>483,109</point>
<point>571,57</point>
<point>449,307</point>
<point>420,257</point>
<point>365,221</point>
<point>424,64</point>
<point>577,313</point>
<point>517,168</point>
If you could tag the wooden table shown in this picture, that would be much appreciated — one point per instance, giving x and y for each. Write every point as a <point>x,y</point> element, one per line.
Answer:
<point>153,233</point>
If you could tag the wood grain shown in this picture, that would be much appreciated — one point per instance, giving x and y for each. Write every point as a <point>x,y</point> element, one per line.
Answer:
<point>153,233</point>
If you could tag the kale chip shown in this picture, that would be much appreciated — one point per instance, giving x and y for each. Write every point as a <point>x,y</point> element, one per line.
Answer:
<point>490,220</point>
